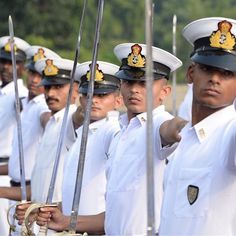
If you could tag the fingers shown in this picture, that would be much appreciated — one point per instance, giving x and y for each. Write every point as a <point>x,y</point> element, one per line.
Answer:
<point>43,218</point>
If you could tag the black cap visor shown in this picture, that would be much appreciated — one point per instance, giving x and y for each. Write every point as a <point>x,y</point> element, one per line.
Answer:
<point>20,55</point>
<point>216,58</point>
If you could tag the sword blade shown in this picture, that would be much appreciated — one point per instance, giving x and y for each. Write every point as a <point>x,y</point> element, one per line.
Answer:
<point>18,119</point>
<point>149,132</point>
<point>174,111</point>
<point>79,177</point>
<point>65,117</point>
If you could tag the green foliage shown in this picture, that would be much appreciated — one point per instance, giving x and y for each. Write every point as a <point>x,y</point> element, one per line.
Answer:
<point>55,24</point>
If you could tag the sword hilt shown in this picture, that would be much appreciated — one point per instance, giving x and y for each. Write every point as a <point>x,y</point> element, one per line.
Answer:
<point>27,222</point>
<point>12,226</point>
<point>66,233</point>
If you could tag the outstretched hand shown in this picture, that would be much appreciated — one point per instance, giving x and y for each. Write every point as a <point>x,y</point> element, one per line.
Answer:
<point>170,129</point>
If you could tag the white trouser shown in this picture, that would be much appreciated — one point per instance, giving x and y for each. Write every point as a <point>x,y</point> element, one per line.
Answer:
<point>4,205</point>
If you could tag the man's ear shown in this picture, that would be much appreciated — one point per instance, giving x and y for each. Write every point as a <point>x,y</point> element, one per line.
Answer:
<point>166,90</point>
<point>119,101</point>
<point>190,73</point>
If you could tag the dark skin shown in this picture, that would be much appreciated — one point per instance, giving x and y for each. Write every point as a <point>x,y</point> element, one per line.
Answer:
<point>56,96</point>
<point>6,71</point>
<point>134,95</point>
<point>213,89</point>
<point>33,81</point>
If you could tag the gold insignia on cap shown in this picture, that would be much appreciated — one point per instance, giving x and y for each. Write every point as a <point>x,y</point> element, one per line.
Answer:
<point>223,38</point>
<point>50,69</point>
<point>99,76</point>
<point>135,58</point>
<point>39,55</point>
<point>192,194</point>
<point>7,46</point>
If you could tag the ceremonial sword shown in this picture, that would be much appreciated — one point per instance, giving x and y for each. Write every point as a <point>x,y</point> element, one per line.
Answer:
<point>18,120</point>
<point>174,111</point>
<point>43,229</point>
<point>149,132</point>
<point>84,138</point>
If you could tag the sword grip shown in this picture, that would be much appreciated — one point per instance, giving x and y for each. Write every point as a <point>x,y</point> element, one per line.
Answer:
<point>24,231</point>
<point>43,230</point>
<point>28,224</point>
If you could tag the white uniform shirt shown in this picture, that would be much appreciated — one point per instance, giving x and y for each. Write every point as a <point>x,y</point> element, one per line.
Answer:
<point>126,173</point>
<point>32,132</point>
<point>8,115</point>
<point>92,200</point>
<point>46,154</point>
<point>200,179</point>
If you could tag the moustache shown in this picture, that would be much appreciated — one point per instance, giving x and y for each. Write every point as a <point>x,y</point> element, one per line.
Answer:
<point>51,99</point>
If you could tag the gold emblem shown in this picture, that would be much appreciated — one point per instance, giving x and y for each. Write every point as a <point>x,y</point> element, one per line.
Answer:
<point>223,38</point>
<point>202,133</point>
<point>99,76</point>
<point>135,58</point>
<point>50,69</point>
<point>7,46</point>
<point>192,193</point>
<point>39,55</point>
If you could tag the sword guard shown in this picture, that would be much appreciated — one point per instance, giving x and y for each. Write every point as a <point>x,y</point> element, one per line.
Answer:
<point>12,226</point>
<point>28,225</point>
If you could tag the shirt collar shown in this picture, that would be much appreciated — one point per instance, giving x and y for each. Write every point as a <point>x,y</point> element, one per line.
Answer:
<point>38,98</point>
<point>141,118</point>
<point>92,127</point>
<point>208,125</point>
<point>59,115</point>
<point>10,86</point>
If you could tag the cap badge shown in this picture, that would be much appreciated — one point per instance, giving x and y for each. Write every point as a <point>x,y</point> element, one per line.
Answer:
<point>223,38</point>
<point>39,55</point>
<point>192,193</point>
<point>135,58</point>
<point>99,76</point>
<point>7,46</point>
<point>50,69</point>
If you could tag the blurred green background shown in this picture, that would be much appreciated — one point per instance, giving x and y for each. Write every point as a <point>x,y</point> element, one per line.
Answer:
<point>55,24</point>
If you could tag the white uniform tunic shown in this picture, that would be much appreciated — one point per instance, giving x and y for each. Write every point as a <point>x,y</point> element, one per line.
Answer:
<point>7,124</point>
<point>126,189</point>
<point>46,154</point>
<point>200,179</point>
<point>92,200</point>
<point>8,115</point>
<point>32,132</point>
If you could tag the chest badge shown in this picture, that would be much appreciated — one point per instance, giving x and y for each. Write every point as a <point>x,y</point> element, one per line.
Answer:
<point>192,193</point>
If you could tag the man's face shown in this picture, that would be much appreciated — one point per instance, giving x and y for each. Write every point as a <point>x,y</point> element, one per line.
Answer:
<point>6,71</point>
<point>134,95</point>
<point>101,104</point>
<point>33,81</point>
<point>212,87</point>
<point>56,96</point>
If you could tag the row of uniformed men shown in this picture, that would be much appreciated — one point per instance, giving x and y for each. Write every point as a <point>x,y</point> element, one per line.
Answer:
<point>115,158</point>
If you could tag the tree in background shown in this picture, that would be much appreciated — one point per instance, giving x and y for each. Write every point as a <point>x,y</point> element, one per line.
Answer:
<point>55,23</point>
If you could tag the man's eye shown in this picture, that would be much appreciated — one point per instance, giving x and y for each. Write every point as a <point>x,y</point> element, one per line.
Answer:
<point>228,73</point>
<point>204,68</point>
